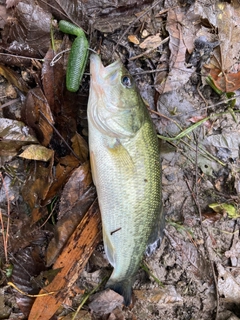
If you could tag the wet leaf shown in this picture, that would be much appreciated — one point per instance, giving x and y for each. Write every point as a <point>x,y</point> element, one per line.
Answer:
<point>62,171</point>
<point>72,261</point>
<point>27,264</point>
<point>37,115</point>
<point>64,104</point>
<point>14,78</point>
<point>53,80</point>
<point>77,196</point>
<point>28,32</point>
<point>36,152</point>
<point>13,135</point>
<point>225,208</point>
<point>80,147</point>
<point>38,183</point>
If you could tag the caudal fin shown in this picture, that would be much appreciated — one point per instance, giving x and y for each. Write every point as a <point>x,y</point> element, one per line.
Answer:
<point>124,288</point>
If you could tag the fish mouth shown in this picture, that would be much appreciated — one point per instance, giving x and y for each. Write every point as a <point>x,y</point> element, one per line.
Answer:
<point>99,73</point>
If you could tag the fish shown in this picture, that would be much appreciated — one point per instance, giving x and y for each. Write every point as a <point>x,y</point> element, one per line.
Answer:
<point>126,170</point>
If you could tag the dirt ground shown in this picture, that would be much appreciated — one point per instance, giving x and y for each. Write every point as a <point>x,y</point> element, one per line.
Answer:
<point>195,273</point>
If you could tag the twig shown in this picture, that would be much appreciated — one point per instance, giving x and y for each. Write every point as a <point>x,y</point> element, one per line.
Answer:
<point>202,230</point>
<point>21,57</point>
<point>5,236</point>
<point>87,297</point>
<point>27,294</point>
<point>184,132</point>
<point>9,103</point>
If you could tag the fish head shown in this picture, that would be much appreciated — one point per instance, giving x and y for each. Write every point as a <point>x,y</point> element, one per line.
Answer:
<point>115,106</point>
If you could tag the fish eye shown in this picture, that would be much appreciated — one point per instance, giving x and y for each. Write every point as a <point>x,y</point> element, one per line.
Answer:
<point>126,81</point>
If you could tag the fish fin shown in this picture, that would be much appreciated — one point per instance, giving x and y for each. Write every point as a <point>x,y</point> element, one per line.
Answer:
<point>124,288</point>
<point>156,235</point>
<point>93,167</point>
<point>108,247</point>
<point>121,153</point>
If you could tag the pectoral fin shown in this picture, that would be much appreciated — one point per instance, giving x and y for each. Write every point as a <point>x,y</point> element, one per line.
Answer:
<point>121,154</point>
<point>93,167</point>
<point>109,248</point>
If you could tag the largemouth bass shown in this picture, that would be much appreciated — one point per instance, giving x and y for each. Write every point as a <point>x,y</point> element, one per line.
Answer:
<point>125,166</point>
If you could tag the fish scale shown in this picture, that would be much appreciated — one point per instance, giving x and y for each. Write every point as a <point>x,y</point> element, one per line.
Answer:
<point>125,165</point>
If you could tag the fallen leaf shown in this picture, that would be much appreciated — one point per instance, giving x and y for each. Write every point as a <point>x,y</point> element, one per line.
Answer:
<point>28,32</point>
<point>178,72</point>
<point>224,66</point>
<point>37,152</point>
<point>62,172</point>
<point>225,208</point>
<point>133,39</point>
<point>37,115</point>
<point>151,42</point>
<point>80,147</point>
<point>226,82</point>
<point>28,264</point>
<point>161,296</point>
<point>38,183</point>
<point>228,285</point>
<point>77,196</point>
<point>14,78</point>
<point>105,302</point>
<point>13,135</point>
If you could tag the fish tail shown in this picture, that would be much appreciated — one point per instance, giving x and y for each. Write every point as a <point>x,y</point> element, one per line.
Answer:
<point>124,288</point>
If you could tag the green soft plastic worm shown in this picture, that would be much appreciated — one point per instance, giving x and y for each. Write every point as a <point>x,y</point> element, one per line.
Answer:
<point>78,55</point>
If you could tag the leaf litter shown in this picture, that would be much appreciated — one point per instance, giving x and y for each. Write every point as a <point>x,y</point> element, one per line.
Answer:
<point>47,196</point>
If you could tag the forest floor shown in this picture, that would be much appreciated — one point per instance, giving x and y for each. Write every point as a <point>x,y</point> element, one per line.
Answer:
<point>184,57</point>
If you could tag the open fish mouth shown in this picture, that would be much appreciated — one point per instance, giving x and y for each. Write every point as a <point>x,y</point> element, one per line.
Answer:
<point>99,73</point>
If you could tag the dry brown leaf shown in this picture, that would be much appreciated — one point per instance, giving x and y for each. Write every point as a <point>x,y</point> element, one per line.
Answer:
<point>133,39</point>
<point>72,261</point>
<point>161,296</point>
<point>226,82</point>
<point>178,72</point>
<point>37,152</point>
<point>228,285</point>
<point>105,302</point>
<point>224,64</point>
<point>151,42</point>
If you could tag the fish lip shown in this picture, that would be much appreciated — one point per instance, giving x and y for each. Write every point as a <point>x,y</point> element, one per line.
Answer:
<point>98,71</point>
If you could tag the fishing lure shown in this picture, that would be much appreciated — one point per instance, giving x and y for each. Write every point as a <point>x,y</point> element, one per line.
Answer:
<point>78,55</point>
